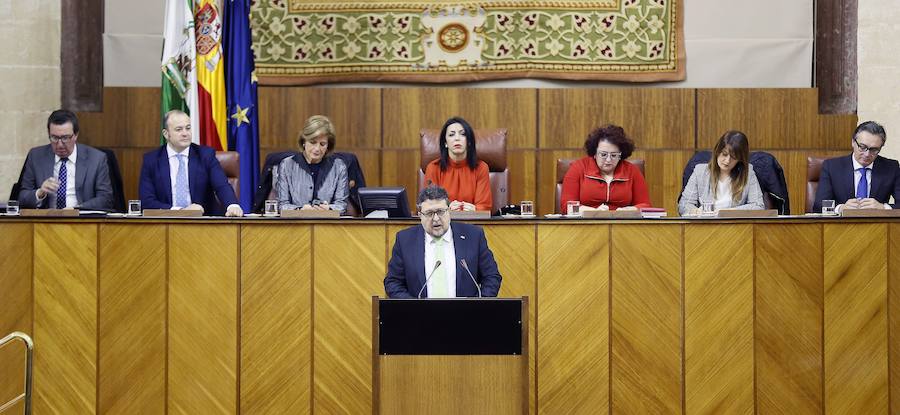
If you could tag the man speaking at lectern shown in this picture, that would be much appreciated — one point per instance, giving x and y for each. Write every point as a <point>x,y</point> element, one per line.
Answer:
<point>440,259</point>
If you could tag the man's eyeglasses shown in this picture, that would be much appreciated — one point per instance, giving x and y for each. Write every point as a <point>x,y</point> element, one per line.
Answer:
<point>866,149</point>
<point>431,213</point>
<point>63,138</point>
<point>609,156</point>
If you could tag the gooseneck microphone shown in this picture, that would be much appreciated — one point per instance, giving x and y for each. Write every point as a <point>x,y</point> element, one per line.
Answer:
<point>436,265</point>
<point>466,267</point>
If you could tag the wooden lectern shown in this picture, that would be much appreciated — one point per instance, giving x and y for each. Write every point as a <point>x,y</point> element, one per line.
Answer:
<point>450,356</point>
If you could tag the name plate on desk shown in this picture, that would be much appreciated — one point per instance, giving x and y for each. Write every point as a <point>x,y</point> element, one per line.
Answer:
<point>48,212</point>
<point>741,213</point>
<point>478,214</point>
<point>870,213</point>
<point>181,213</point>
<point>611,214</point>
<point>311,214</point>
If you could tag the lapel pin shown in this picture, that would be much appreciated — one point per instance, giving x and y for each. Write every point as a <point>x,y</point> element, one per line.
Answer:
<point>462,236</point>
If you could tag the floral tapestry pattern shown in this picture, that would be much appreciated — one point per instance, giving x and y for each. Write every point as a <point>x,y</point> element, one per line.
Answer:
<point>300,42</point>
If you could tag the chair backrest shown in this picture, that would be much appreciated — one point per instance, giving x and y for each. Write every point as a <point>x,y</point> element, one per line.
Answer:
<point>562,166</point>
<point>230,162</point>
<point>115,180</point>
<point>813,171</point>
<point>491,147</point>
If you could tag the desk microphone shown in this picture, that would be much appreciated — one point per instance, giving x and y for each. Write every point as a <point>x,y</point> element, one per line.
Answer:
<point>466,267</point>
<point>436,265</point>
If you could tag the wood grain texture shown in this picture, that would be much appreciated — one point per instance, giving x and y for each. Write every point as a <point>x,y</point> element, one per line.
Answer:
<point>130,118</point>
<point>132,319</point>
<point>573,319</point>
<point>546,178</point>
<point>203,319</point>
<point>856,351</point>
<point>16,300</point>
<point>663,170</point>
<point>407,110</point>
<point>794,164</point>
<point>655,118</point>
<point>65,318</point>
<point>788,336</point>
<point>431,385</point>
<point>522,175</point>
<point>771,118</point>
<point>646,309</point>
<point>718,319</point>
<point>276,317</point>
<point>894,318</point>
<point>350,263</point>
<point>401,168</point>
<point>515,251</point>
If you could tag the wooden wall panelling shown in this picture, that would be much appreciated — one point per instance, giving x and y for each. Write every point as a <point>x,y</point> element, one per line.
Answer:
<point>522,175</point>
<point>203,319</point>
<point>647,337</point>
<point>401,168</point>
<point>835,132</point>
<point>894,318</point>
<point>349,262</point>
<point>663,170</point>
<point>546,177</point>
<point>355,113</point>
<point>856,340</point>
<point>65,318</point>
<point>132,319</point>
<point>771,118</point>
<point>407,110</point>
<point>276,308</point>
<point>130,118</point>
<point>794,164</point>
<point>789,306</point>
<point>16,297</point>
<point>718,319</point>
<point>515,251</point>
<point>573,319</point>
<point>657,118</point>
<point>131,159</point>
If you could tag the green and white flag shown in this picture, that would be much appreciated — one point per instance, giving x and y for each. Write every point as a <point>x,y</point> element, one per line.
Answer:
<point>179,59</point>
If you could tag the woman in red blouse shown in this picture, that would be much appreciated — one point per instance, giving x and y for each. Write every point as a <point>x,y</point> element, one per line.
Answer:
<point>458,169</point>
<point>604,177</point>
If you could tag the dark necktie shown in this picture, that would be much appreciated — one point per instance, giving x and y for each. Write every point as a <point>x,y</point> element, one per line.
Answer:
<point>63,178</point>
<point>862,189</point>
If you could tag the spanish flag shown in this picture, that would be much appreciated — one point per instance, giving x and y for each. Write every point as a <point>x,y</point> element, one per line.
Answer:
<point>210,75</point>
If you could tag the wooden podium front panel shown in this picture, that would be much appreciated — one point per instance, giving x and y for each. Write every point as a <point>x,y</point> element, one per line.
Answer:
<point>789,305</point>
<point>441,384</point>
<point>894,317</point>
<point>15,296</point>
<point>65,318</point>
<point>203,312</point>
<point>647,336</point>
<point>276,315</point>
<point>348,269</point>
<point>718,319</point>
<point>573,319</point>
<point>856,352</point>
<point>132,319</point>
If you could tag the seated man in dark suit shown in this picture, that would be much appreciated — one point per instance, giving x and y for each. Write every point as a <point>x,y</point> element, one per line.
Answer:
<point>65,174</point>
<point>863,179</point>
<point>182,175</point>
<point>440,259</point>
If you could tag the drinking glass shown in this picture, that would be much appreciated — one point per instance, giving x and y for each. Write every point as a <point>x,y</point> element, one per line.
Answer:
<point>134,208</point>
<point>707,207</point>
<point>828,207</point>
<point>573,208</point>
<point>12,207</point>
<point>527,208</point>
<point>271,208</point>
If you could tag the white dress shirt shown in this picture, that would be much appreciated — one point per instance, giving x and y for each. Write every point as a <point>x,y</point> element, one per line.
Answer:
<point>71,197</point>
<point>723,194</point>
<point>173,171</point>
<point>449,263</point>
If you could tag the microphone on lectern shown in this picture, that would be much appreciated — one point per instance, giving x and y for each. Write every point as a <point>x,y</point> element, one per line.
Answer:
<point>466,267</point>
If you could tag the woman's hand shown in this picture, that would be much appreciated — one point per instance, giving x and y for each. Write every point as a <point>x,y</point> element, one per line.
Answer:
<point>456,205</point>
<point>692,211</point>
<point>467,207</point>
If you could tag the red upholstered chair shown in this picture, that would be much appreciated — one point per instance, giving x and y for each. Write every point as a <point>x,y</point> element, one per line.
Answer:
<point>491,147</point>
<point>813,170</point>
<point>230,162</point>
<point>562,166</point>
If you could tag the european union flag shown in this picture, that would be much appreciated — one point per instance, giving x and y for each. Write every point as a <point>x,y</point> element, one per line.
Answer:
<point>241,98</point>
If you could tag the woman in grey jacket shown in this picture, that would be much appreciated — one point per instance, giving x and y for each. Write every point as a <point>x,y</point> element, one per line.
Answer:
<point>728,180</point>
<point>313,179</point>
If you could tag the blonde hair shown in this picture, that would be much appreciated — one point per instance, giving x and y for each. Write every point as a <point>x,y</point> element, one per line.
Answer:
<point>737,145</point>
<point>316,126</point>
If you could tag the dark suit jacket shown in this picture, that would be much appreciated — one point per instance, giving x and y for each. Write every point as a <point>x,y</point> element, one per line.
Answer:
<point>206,180</point>
<point>92,185</point>
<point>836,181</point>
<point>406,269</point>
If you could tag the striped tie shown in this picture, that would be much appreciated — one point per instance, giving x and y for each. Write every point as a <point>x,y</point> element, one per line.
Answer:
<point>181,184</point>
<point>63,178</point>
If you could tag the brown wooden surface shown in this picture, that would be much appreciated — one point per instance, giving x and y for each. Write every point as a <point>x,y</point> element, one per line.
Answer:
<point>435,385</point>
<point>132,319</point>
<point>16,297</point>
<point>894,318</point>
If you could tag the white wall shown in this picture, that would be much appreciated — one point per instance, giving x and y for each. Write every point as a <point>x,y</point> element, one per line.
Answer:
<point>879,69</point>
<point>729,43</point>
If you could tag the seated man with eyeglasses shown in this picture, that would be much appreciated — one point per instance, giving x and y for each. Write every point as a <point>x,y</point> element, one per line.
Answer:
<point>64,174</point>
<point>439,259</point>
<point>863,179</point>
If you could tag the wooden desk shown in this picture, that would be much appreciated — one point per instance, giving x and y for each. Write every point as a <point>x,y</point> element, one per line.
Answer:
<point>273,316</point>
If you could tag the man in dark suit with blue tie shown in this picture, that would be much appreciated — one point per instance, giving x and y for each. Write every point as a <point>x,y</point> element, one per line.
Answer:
<point>863,179</point>
<point>441,259</point>
<point>182,175</point>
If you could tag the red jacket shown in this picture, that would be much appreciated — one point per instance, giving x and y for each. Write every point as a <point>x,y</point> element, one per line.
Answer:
<point>584,183</point>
